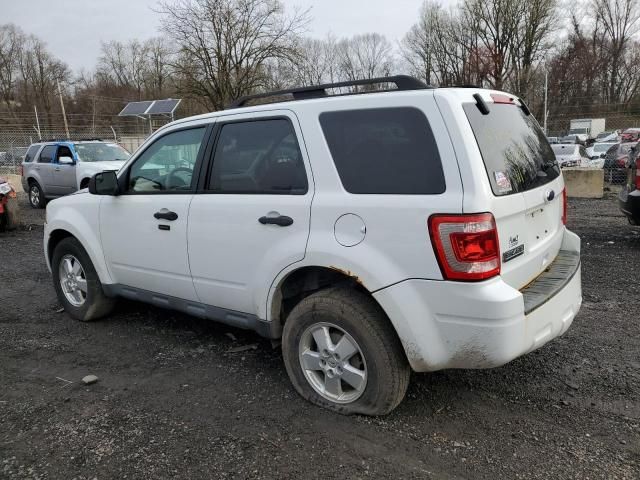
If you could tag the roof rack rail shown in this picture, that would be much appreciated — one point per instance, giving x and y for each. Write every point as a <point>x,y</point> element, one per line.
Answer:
<point>402,82</point>
<point>43,140</point>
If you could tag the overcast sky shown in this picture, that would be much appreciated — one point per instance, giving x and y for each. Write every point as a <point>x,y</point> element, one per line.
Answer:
<point>73,29</point>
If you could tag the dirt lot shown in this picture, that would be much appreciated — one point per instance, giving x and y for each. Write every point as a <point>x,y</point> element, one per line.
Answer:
<point>172,401</point>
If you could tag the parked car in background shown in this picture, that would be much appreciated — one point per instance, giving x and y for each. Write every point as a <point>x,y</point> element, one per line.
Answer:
<point>616,161</point>
<point>629,196</point>
<point>570,155</point>
<point>630,135</point>
<point>613,137</point>
<point>571,139</point>
<point>57,168</point>
<point>599,150</point>
<point>419,241</point>
<point>553,140</point>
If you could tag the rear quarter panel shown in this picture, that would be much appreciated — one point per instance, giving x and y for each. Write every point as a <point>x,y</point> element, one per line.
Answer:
<point>396,244</point>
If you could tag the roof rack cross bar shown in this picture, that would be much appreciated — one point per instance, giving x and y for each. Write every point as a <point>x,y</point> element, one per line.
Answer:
<point>402,82</point>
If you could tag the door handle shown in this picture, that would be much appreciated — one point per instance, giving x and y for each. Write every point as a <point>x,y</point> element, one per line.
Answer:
<point>164,214</point>
<point>57,169</point>
<point>281,220</point>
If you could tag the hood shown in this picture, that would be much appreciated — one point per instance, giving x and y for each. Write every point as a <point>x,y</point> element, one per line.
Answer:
<point>101,166</point>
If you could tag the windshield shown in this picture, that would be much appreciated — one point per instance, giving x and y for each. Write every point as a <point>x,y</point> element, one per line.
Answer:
<point>100,152</point>
<point>516,153</point>
<point>602,147</point>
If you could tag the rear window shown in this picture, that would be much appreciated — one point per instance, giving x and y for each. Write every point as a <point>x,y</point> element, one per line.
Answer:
<point>385,151</point>
<point>516,153</point>
<point>31,153</point>
<point>564,149</point>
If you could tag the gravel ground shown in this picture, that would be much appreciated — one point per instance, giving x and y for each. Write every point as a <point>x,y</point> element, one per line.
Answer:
<point>173,402</point>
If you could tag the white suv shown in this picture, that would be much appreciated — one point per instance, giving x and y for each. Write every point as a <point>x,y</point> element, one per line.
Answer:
<point>373,233</point>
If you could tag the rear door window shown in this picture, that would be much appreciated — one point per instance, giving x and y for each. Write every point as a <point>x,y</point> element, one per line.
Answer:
<point>46,156</point>
<point>384,150</point>
<point>31,153</point>
<point>258,157</point>
<point>516,153</point>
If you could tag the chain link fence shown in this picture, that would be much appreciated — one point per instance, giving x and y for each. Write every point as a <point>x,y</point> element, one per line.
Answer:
<point>15,142</point>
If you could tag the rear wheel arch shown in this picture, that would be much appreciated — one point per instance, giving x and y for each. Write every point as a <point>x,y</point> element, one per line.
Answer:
<point>84,183</point>
<point>304,281</point>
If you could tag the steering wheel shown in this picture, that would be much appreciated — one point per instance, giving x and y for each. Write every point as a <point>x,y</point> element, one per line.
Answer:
<point>169,182</point>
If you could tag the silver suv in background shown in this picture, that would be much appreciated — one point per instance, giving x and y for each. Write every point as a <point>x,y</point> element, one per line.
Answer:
<point>56,168</point>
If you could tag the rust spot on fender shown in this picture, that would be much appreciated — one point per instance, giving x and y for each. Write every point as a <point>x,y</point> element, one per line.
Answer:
<point>348,273</point>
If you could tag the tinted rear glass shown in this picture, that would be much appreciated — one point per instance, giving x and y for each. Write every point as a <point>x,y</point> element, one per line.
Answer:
<point>46,156</point>
<point>31,153</point>
<point>516,153</point>
<point>386,150</point>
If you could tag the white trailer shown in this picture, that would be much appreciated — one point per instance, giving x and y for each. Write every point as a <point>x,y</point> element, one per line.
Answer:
<point>590,127</point>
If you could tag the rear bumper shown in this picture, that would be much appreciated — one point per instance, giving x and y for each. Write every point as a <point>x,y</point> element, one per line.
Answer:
<point>480,325</point>
<point>629,203</point>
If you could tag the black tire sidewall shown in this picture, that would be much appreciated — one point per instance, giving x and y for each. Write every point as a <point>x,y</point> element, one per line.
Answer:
<point>339,314</point>
<point>40,196</point>
<point>94,287</point>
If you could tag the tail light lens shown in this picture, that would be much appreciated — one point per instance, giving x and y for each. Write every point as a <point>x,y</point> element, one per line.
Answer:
<point>466,246</point>
<point>564,206</point>
<point>637,179</point>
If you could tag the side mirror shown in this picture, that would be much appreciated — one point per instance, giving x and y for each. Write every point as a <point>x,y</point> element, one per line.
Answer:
<point>66,161</point>
<point>104,183</point>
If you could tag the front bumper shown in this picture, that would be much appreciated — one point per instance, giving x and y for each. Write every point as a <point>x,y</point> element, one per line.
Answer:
<point>479,325</point>
<point>629,203</point>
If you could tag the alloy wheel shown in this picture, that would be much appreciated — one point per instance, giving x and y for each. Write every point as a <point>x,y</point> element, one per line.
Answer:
<point>333,363</point>
<point>73,280</point>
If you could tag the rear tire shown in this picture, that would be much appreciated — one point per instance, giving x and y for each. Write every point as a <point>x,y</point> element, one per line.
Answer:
<point>36,195</point>
<point>76,282</point>
<point>371,380</point>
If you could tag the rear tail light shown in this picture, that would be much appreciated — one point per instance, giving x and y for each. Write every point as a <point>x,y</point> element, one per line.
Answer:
<point>564,206</point>
<point>637,179</point>
<point>466,246</point>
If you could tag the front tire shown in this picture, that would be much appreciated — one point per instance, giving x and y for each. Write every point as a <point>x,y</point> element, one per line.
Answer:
<point>36,196</point>
<point>341,352</point>
<point>76,282</point>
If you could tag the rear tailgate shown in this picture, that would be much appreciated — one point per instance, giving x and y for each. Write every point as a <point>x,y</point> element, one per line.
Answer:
<point>515,176</point>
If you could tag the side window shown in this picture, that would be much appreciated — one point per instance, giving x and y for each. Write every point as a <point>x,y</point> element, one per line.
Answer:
<point>63,151</point>
<point>168,164</point>
<point>583,152</point>
<point>31,153</point>
<point>258,157</point>
<point>46,156</point>
<point>384,150</point>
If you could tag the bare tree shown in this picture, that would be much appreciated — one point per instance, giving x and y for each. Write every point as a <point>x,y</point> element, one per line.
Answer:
<point>12,41</point>
<point>620,21</point>
<point>499,23</point>
<point>364,56</point>
<point>40,72</point>
<point>531,39</point>
<point>225,45</point>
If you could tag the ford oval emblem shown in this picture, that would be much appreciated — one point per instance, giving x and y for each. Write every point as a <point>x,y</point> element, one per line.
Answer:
<point>549,195</point>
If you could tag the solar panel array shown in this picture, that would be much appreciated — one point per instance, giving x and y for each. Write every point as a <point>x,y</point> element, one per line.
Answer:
<point>154,107</point>
<point>163,107</point>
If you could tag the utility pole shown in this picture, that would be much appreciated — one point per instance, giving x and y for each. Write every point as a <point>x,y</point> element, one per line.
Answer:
<point>93,121</point>
<point>546,113</point>
<point>64,114</point>
<point>35,108</point>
